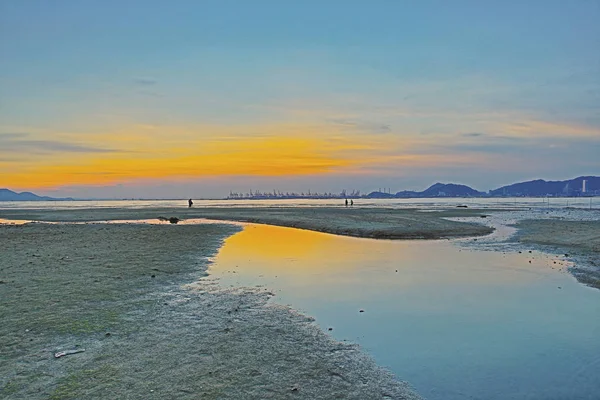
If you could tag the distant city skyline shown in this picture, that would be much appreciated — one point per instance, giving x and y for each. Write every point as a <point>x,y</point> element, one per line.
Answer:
<point>156,99</point>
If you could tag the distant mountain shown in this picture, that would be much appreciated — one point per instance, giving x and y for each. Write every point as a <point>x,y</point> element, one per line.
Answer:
<point>540,187</point>
<point>9,195</point>
<point>435,190</point>
<point>442,190</point>
<point>380,195</point>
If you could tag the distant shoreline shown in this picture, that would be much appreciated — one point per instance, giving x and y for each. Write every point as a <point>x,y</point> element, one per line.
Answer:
<point>592,196</point>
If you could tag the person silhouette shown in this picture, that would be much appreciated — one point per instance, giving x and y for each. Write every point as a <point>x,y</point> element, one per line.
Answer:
<point>190,203</point>
<point>351,202</point>
<point>346,202</point>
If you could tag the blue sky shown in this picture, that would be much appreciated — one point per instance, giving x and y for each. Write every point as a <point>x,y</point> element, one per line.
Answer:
<point>483,93</point>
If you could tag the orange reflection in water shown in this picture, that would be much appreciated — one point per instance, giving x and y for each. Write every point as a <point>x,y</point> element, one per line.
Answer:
<point>318,258</point>
<point>270,242</point>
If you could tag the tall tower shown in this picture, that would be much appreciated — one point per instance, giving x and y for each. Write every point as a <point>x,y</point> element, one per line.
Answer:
<point>583,186</point>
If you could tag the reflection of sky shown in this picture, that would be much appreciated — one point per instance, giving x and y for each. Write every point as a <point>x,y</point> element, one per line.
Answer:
<point>450,321</point>
<point>154,95</point>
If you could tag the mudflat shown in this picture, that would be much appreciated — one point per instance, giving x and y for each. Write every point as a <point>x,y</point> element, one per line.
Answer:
<point>129,299</point>
<point>361,222</point>
<point>579,239</point>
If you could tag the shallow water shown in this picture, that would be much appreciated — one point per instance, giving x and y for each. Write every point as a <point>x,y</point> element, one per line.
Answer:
<point>523,202</point>
<point>455,323</point>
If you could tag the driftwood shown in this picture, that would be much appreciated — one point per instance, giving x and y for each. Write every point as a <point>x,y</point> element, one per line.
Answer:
<point>67,353</point>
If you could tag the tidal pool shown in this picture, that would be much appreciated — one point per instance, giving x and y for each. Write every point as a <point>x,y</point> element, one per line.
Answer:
<point>456,323</point>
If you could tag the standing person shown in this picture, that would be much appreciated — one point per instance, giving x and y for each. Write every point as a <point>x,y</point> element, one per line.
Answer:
<point>346,202</point>
<point>351,202</point>
<point>190,203</point>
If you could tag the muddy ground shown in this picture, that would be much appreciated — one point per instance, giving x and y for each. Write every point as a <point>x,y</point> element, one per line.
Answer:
<point>377,223</point>
<point>579,240</point>
<point>129,296</point>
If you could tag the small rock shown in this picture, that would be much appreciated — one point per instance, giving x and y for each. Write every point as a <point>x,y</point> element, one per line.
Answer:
<point>174,220</point>
<point>153,276</point>
<point>295,388</point>
<point>107,334</point>
<point>529,261</point>
<point>361,310</point>
<point>396,270</point>
<point>559,287</point>
<point>530,251</point>
<point>329,329</point>
<point>566,255</point>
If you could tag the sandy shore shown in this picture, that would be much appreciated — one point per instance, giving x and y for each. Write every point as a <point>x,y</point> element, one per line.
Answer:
<point>578,240</point>
<point>130,296</point>
<point>571,233</point>
<point>360,222</point>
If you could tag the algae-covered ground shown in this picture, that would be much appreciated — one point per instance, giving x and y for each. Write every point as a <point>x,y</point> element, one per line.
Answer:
<point>125,294</point>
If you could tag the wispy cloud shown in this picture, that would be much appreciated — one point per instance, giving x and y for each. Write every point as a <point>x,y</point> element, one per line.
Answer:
<point>145,81</point>
<point>362,126</point>
<point>473,134</point>
<point>21,143</point>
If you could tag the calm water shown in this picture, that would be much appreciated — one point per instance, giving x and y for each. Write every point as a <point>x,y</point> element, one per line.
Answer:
<point>390,203</point>
<point>455,323</point>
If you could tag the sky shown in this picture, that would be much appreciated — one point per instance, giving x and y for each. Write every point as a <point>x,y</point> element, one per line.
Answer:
<point>178,99</point>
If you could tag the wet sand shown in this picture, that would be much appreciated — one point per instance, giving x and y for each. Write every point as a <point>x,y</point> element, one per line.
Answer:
<point>119,292</point>
<point>130,296</point>
<point>579,240</point>
<point>568,232</point>
<point>359,222</point>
